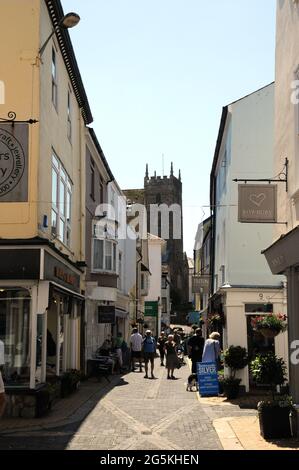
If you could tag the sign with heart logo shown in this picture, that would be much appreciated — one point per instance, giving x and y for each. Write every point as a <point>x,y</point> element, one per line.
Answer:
<point>257,203</point>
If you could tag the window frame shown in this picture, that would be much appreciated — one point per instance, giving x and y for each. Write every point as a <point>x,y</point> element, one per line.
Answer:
<point>111,256</point>
<point>63,214</point>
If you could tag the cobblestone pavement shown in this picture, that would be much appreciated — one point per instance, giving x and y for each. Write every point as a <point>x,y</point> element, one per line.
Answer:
<point>135,414</point>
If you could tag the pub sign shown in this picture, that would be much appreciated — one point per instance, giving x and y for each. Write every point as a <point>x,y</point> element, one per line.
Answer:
<point>14,162</point>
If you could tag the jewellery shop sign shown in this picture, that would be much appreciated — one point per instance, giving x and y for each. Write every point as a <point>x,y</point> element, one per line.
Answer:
<point>257,203</point>
<point>14,162</point>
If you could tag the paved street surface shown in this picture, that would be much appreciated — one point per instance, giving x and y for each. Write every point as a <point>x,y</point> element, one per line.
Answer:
<point>134,414</point>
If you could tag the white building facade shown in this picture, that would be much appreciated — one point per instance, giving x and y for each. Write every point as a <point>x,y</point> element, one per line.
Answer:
<point>242,283</point>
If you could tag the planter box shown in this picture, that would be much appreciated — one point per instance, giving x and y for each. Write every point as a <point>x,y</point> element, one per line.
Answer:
<point>275,423</point>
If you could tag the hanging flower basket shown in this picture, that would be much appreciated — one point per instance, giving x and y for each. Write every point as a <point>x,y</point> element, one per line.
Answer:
<point>270,325</point>
<point>268,333</point>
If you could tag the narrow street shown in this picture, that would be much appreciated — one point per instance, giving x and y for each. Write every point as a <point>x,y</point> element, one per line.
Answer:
<point>133,414</point>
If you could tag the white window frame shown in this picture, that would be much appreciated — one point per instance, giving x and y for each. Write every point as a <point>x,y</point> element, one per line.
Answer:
<point>54,78</point>
<point>109,253</point>
<point>62,210</point>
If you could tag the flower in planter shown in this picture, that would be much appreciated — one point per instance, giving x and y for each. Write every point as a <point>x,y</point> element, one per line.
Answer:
<point>276,323</point>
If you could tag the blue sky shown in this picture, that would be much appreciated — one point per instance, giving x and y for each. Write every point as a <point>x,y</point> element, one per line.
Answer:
<point>157,74</point>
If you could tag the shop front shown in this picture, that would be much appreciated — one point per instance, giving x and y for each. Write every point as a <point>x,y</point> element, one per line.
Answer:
<point>283,258</point>
<point>232,315</point>
<point>40,319</point>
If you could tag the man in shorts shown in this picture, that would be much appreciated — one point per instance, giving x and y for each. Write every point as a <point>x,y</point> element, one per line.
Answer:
<point>2,389</point>
<point>136,347</point>
<point>149,351</point>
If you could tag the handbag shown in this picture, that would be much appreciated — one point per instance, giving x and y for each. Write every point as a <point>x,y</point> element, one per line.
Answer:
<point>217,358</point>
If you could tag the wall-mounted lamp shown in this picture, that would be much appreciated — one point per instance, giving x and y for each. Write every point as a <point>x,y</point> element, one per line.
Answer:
<point>68,21</point>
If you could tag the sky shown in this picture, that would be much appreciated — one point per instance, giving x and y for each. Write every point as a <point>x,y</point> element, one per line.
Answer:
<point>157,74</point>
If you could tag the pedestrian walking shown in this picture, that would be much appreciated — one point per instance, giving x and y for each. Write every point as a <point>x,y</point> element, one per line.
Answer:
<point>2,389</point>
<point>136,341</point>
<point>161,343</point>
<point>211,352</point>
<point>149,350</point>
<point>118,349</point>
<point>195,348</point>
<point>172,360</point>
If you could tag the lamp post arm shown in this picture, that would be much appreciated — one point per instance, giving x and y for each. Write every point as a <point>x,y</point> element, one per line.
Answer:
<point>40,52</point>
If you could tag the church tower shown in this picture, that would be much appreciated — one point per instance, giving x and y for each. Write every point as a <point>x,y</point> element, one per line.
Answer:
<point>168,191</point>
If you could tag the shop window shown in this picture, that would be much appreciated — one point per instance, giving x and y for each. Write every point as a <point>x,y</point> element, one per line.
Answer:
<point>61,202</point>
<point>14,332</point>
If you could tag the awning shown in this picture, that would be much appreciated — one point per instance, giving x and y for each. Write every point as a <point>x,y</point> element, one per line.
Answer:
<point>283,253</point>
<point>121,313</point>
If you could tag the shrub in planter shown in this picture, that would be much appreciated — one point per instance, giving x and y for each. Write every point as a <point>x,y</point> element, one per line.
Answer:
<point>235,358</point>
<point>70,382</point>
<point>274,418</point>
<point>274,413</point>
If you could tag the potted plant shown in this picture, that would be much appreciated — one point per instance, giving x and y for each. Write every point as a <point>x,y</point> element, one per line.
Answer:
<point>235,358</point>
<point>215,321</point>
<point>274,413</point>
<point>70,382</point>
<point>270,325</point>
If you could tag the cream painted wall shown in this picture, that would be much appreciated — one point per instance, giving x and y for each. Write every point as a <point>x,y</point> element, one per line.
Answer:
<point>155,267</point>
<point>287,113</point>
<point>248,142</point>
<point>20,75</point>
<point>53,135</point>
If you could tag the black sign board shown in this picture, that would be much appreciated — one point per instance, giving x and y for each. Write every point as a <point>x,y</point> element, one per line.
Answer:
<point>19,264</point>
<point>61,273</point>
<point>106,314</point>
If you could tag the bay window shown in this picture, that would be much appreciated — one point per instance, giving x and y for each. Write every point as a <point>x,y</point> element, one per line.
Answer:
<point>104,252</point>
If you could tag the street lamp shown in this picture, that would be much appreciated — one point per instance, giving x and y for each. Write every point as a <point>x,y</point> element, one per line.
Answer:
<point>68,21</point>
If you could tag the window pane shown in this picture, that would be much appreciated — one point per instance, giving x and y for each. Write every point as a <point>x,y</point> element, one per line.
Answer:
<point>114,257</point>
<point>61,229</point>
<point>14,332</point>
<point>53,64</point>
<point>54,187</point>
<point>62,197</point>
<point>98,254</point>
<point>54,223</point>
<point>55,161</point>
<point>68,236</point>
<point>108,256</point>
<point>68,206</point>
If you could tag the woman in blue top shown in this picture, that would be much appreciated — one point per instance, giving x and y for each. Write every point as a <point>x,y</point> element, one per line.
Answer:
<point>211,351</point>
<point>149,351</point>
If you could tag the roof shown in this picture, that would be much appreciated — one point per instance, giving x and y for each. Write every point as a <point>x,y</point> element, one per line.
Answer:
<point>56,13</point>
<point>101,153</point>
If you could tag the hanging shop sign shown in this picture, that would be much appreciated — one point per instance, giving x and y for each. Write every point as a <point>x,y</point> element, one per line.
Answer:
<point>257,203</point>
<point>207,377</point>
<point>106,314</point>
<point>151,309</point>
<point>201,284</point>
<point>14,162</point>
